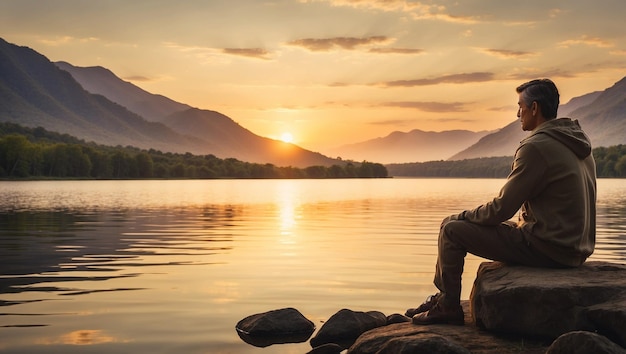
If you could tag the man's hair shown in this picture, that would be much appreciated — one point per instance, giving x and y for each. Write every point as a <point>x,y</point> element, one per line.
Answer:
<point>542,91</point>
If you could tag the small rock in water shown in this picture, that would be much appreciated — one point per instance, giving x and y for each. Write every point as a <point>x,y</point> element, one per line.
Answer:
<point>286,325</point>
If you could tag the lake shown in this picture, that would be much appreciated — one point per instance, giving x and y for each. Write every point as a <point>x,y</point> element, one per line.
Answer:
<point>172,266</point>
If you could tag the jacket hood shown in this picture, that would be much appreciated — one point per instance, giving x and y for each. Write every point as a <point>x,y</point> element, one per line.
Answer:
<point>568,132</point>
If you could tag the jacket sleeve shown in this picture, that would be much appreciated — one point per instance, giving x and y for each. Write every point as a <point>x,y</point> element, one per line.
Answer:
<point>523,183</point>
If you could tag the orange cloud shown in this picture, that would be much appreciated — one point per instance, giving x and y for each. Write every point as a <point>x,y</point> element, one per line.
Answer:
<point>383,5</point>
<point>506,54</point>
<point>446,79</point>
<point>258,53</point>
<point>534,74</point>
<point>396,51</point>
<point>327,44</point>
<point>417,10</point>
<point>430,106</point>
<point>63,40</point>
<point>508,108</point>
<point>138,78</point>
<point>393,122</point>
<point>586,40</point>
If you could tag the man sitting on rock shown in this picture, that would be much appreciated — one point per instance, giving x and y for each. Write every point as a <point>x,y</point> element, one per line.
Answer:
<point>553,180</point>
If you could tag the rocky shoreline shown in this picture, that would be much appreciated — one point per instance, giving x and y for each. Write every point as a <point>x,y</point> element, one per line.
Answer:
<point>512,309</point>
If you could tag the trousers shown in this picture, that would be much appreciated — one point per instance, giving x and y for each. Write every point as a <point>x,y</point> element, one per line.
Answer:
<point>505,243</point>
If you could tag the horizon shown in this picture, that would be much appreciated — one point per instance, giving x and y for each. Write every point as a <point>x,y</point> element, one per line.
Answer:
<point>325,73</point>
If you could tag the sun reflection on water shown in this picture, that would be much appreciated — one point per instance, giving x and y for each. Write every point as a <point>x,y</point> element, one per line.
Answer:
<point>82,337</point>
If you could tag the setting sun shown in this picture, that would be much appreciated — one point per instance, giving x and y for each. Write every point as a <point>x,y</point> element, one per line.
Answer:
<point>287,137</point>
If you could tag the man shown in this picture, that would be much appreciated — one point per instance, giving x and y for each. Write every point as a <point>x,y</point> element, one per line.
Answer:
<point>553,180</point>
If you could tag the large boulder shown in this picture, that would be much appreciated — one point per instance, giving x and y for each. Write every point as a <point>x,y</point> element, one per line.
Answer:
<point>286,325</point>
<point>550,302</point>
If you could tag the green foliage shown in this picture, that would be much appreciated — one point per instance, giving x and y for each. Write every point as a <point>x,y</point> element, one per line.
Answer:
<point>487,167</point>
<point>610,162</point>
<point>38,153</point>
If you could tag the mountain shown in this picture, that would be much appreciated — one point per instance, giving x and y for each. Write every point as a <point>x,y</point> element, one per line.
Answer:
<point>228,138</point>
<point>102,81</point>
<point>414,146</point>
<point>604,119</point>
<point>35,92</point>
<point>236,141</point>
<point>602,115</point>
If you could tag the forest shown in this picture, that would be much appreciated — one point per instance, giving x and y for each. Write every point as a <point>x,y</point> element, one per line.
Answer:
<point>35,153</point>
<point>610,163</point>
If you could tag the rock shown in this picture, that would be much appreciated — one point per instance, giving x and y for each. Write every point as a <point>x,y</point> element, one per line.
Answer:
<point>345,326</point>
<point>550,302</point>
<point>397,318</point>
<point>410,338</point>
<point>286,325</point>
<point>581,342</point>
<point>421,343</point>
<point>329,348</point>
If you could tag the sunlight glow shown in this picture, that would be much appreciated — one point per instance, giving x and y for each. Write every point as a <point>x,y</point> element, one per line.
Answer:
<point>287,137</point>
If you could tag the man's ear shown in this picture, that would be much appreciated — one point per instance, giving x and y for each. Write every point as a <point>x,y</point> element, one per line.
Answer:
<point>535,108</point>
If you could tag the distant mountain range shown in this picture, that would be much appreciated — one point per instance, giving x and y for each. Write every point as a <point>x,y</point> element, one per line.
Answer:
<point>602,115</point>
<point>95,105</point>
<point>414,146</point>
<point>35,92</point>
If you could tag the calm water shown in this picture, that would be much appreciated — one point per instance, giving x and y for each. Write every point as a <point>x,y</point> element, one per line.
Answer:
<point>172,266</point>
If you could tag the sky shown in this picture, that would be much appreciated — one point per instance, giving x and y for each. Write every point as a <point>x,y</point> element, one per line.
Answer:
<point>334,72</point>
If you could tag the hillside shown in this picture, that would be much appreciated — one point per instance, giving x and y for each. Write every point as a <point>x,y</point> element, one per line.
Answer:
<point>414,146</point>
<point>601,114</point>
<point>35,153</point>
<point>102,81</point>
<point>227,137</point>
<point>36,92</point>
<point>238,142</point>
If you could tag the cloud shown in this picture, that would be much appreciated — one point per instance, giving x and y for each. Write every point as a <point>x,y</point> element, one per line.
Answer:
<point>327,44</point>
<point>429,106</point>
<point>193,50</point>
<point>257,53</point>
<point>138,78</point>
<point>214,54</point>
<point>508,108</point>
<point>382,5</point>
<point>396,51</point>
<point>534,74</point>
<point>553,13</point>
<point>393,122</point>
<point>66,40</point>
<point>446,79</point>
<point>507,54</point>
<point>339,84</point>
<point>446,18</point>
<point>416,9</point>
<point>586,40</point>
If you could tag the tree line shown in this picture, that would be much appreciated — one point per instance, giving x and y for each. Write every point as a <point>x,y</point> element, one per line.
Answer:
<point>610,163</point>
<point>38,153</point>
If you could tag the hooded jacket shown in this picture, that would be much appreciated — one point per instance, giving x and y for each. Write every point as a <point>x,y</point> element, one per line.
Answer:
<point>553,180</point>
